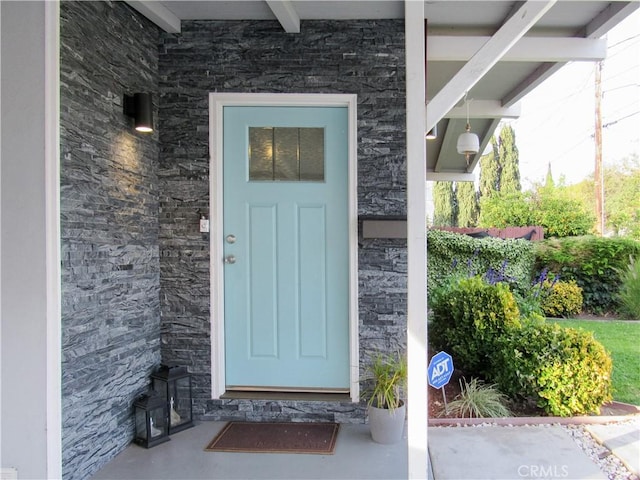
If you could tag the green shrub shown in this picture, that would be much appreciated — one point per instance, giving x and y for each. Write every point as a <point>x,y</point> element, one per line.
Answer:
<point>594,263</point>
<point>565,370</point>
<point>551,208</point>
<point>469,317</point>
<point>477,400</point>
<point>629,294</point>
<point>561,299</point>
<point>506,209</point>
<point>561,216</point>
<point>452,254</point>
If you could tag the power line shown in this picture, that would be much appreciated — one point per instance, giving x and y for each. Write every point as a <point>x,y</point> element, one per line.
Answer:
<point>624,40</point>
<point>620,87</point>
<point>613,122</point>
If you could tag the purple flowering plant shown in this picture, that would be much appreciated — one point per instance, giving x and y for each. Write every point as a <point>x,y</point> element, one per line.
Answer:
<point>529,297</point>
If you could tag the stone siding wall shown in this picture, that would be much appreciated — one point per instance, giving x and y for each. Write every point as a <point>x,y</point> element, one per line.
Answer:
<point>109,230</point>
<point>361,57</point>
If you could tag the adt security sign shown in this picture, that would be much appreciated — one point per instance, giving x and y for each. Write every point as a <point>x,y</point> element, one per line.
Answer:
<point>440,369</point>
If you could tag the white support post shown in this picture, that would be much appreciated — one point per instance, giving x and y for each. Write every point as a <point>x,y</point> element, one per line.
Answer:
<point>416,240</point>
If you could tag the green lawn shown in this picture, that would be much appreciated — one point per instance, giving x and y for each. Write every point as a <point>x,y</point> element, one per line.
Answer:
<point>622,340</point>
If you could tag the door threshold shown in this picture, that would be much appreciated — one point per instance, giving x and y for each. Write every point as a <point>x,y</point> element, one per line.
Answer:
<point>286,395</point>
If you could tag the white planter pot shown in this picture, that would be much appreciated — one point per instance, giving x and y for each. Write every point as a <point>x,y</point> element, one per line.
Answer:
<point>387,425</point>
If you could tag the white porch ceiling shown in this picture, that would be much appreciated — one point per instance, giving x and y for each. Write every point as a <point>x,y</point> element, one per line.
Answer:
<point>498,50</point>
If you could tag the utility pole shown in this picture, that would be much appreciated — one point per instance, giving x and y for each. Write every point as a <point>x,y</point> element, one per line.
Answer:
<point>598,173</point>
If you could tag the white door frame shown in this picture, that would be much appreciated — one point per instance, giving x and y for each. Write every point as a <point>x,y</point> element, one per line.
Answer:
<point>217,102</point>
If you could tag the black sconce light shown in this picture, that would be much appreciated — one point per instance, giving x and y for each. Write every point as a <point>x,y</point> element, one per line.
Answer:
<point>139,106</point>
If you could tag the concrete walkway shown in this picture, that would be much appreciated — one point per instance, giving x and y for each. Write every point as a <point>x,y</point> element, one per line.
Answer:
<point>623,439</point>
<point>503,452</point>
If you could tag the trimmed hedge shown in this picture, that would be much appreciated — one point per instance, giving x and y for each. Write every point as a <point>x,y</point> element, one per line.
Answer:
<point>594,263</point>
<point>451,254</point>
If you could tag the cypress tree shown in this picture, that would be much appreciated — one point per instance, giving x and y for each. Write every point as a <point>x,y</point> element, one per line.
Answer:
<point>490,170</point>
<point>549,180</point>
<point>509,161</point>
<point>443,205</point>
<point>467,202</point>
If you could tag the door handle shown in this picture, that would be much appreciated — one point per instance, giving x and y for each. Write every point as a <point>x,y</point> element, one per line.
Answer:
<point>230,259</point>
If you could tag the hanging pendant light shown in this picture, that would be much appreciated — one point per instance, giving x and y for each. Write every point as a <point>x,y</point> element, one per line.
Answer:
<point>468,143</point>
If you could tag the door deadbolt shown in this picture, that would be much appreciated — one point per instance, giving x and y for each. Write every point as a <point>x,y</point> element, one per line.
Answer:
<point>231,239</point>
<point>230,259</point>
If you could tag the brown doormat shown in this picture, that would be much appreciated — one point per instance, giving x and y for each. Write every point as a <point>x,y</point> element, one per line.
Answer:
<point>254,437</point>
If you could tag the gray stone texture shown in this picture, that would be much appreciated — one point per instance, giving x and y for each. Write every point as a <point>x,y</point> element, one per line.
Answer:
<point>361,57</point>
<point>135,269</point>
<point>109,230</point>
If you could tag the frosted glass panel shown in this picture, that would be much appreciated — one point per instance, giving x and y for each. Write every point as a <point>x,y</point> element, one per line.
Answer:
<point>312,154</point>
<point>286,166</point>
<point>260,153</point>
<point>286,154</point>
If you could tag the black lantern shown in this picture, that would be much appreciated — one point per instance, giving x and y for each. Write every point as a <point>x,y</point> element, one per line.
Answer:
<point>173,384</point>
<point>151,420</point>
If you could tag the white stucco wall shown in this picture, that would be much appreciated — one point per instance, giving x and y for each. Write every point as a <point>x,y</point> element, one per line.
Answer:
<point>27,405</point>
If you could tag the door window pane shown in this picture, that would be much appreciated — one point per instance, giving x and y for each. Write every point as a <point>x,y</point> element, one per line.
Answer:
<point>260,153</point>
<point>286,154</point>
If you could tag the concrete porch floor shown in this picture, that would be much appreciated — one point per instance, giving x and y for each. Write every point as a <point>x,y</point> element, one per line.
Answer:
<point>356,457</point>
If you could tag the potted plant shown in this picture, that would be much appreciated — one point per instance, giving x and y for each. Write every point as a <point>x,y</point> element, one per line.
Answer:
<point>387,410</point>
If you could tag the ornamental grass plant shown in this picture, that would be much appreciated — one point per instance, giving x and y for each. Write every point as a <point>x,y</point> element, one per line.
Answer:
<point>477,400</point>
<point>388,373</point>
<point>629,293</point>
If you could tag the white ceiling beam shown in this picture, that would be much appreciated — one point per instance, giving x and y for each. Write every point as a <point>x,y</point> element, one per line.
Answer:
<point>489,54</point>
<point>286,15</point>
<point>485,109</point>
<point>538,76</point>
<point>450,177</point>
<point>527,49</point>
<point>599,26</point>
<point>158,14</point>
<point>609,18</point>
<point>449,141</point>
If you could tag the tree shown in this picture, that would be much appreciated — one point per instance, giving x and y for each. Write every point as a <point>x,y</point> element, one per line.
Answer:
<point>500,169</point>
<point>490,171</point>
<point>444,205</point>
<point>550,207</point>
<point>513,209</point>
<point>467,202</point>
<point>549,180</point>
<point>561,216</point>
<point>622,196</point>
<point>509,161</point>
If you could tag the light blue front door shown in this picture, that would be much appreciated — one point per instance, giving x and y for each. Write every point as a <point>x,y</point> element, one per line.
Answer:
<point>286,247</point>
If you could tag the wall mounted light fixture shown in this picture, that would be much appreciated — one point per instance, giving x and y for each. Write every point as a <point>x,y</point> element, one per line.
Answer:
<point>139,106</point>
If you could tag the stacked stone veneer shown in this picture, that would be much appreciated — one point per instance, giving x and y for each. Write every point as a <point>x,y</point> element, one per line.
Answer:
<point>109,230</point>
<point>361,57</point>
